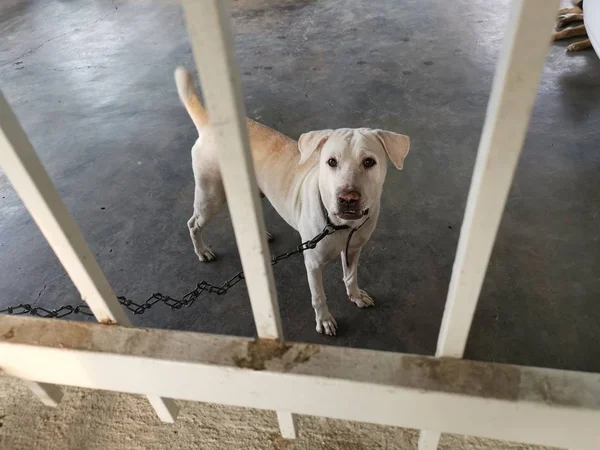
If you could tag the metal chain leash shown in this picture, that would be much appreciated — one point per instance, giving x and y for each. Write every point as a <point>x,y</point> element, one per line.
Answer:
<point>173,303</point>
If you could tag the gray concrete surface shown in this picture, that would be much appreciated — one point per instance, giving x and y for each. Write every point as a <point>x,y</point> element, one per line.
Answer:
<point>92,84</point>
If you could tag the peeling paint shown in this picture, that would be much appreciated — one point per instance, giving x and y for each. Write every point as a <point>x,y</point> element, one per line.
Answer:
<point>259,352</point>
<point>9,334</point>
<point>281,356</point>
<point>305,354</point>
<point>449,374</point>
<point>107,321</point>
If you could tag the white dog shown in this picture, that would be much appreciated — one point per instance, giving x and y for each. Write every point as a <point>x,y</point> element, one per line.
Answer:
<point>327,177</point>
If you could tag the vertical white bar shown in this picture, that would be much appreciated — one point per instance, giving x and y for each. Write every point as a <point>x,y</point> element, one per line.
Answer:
<point>507,118</point>
<point>212,43</point>
<point>165,408</point>
<point>48,394</point>
<point>212,40</point>
<point>287,424</point>
<point>33,184</point>
<point>31,181</point>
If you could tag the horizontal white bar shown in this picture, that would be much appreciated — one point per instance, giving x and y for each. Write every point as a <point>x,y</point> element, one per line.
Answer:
<point>540,406</point>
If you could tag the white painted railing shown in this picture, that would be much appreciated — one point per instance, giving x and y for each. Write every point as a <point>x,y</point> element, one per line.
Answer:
<point>447,394</point>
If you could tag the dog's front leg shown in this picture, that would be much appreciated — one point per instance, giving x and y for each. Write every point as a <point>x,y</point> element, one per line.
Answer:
<point>350,265</point>
<point>325,321</point>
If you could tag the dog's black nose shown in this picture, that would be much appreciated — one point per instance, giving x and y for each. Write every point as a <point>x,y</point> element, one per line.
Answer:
<point>349,199</point>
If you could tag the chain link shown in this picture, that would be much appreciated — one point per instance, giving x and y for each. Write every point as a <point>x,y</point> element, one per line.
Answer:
<point>173,303</point>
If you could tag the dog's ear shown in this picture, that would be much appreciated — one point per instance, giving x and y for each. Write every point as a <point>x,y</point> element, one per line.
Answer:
<point>396,146</point>
<point>311,142</point>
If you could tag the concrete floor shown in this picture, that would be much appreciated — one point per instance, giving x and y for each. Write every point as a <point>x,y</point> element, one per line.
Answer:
<point>92,85</point>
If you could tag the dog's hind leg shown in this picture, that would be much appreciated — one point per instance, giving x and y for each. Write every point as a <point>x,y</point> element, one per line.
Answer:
<point>207,203</point>
<point>196,226</point>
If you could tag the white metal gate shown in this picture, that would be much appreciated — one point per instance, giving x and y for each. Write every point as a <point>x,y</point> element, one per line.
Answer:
<point>436,394</point>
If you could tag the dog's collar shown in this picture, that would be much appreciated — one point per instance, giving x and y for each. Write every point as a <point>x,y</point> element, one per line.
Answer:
<point>330,224</point>
<point>342,227</point>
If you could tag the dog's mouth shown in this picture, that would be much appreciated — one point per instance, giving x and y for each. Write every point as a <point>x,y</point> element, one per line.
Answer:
<point>352,214</point>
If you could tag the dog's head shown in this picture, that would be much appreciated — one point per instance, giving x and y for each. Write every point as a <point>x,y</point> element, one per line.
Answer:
<point>352,167</point>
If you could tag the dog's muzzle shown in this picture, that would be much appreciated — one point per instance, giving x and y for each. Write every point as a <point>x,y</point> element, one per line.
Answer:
<point>349,206</point>
<point>352,215</point>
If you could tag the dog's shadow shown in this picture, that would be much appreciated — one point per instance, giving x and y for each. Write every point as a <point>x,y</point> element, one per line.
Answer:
<point>579,90</point>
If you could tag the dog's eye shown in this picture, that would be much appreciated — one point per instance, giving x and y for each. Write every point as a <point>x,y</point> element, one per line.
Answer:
<point>369,162</point>
<point>331,162</point>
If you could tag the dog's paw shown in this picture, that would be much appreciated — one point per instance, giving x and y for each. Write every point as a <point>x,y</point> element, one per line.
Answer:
<point>327,325</point>
<point>561,22</point>
<point>207,255</point>
<point>362,300</point>
<point>579,46</point>
<point>566,19</point>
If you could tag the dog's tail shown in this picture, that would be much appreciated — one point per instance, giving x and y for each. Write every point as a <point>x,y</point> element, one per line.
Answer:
<point>189,98</point>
